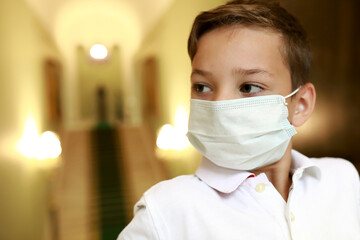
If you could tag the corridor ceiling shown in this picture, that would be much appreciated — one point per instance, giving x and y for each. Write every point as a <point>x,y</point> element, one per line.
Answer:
<point>86,22</point>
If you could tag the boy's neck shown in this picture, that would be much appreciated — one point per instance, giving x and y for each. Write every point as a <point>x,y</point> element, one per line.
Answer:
<point>279,174</point>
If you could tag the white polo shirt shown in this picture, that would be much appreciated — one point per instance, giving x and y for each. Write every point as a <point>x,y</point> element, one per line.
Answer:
<point>224,204</point>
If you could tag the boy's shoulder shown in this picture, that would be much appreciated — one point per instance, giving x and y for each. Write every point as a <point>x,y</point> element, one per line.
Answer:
<point>337,169</point>
<point>334,164</point>
<point>177,187</point>
<point>327,166</point>
<point>185,190</point>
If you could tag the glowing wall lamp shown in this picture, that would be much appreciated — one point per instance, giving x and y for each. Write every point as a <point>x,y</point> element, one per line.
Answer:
<point>33,146</point>
<point>27,144</point>
<point>98,51</point>
<point>174,138</point>
<point>50,146</point>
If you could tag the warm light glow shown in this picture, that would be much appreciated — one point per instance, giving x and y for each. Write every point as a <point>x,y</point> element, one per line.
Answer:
<point>174,138</point>
<point>181,120</point>
<point>28,143</point>
<point>50,146</point>
<point>164,140</point>
<point>98,51</point>
<point>33,146</point>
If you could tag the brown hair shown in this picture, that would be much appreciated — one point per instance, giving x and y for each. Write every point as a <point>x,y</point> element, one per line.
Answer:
<point>264,14</point>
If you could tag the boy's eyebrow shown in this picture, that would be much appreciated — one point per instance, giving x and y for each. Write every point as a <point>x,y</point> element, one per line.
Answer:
<point>246,72</point>
<point>237,71</point>
<point>201,72</point>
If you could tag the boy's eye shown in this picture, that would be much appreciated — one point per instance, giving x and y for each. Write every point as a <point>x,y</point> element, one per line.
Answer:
<point>201,88</point>
<point>250,88</point>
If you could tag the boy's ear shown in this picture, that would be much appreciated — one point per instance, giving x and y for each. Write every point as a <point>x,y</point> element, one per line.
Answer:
<point>304,104</point>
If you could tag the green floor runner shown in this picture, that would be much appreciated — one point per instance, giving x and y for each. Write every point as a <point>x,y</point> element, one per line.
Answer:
<point>110,182</point>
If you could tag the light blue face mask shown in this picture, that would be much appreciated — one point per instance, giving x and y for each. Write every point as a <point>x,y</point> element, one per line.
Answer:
<point>242,134</point>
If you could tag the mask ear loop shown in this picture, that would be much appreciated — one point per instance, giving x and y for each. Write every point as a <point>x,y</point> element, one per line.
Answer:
<point>291,94</point>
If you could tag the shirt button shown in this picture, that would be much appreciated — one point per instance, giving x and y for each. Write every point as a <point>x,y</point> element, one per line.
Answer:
<point>292,216</point>
<point>260,187</point>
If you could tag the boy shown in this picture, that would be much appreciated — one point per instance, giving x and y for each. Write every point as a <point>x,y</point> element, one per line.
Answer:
<point>250,88</point>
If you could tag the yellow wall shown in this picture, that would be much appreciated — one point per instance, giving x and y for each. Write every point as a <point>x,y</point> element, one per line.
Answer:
<point>24,44</point>
<point>168,43</point>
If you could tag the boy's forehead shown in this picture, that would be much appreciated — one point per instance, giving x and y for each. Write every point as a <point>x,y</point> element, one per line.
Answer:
<point>242,40</point>
<point>219,37</point>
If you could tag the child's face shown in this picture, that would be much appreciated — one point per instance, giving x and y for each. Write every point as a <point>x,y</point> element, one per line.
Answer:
<point>237,62</point>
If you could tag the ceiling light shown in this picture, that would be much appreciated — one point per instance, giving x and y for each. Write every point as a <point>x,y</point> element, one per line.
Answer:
<point>98,51</point>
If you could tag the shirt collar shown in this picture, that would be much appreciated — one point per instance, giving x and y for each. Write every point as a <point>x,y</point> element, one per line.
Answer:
<point>303,165</point>
<point>222,179</point>
<point>228,180</point>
